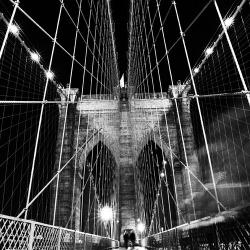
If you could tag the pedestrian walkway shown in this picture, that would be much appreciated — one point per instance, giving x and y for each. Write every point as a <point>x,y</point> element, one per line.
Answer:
<point>135,248</point>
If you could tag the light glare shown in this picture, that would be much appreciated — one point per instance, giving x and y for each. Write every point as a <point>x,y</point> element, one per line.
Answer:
<point>196,70</point>
<point>229,22</point>
<point>106,213</point>
<point>141,227</point>
<point>50,75</point>
<point>35,56</point>
<point>209,51</point>
<point>14,29</point>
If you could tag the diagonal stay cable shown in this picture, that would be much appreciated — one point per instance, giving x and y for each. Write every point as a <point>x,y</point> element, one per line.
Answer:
<point>55,176</point>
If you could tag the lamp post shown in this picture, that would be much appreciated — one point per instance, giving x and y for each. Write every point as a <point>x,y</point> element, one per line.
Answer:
<point>141,228</point>
<point>106,214</point>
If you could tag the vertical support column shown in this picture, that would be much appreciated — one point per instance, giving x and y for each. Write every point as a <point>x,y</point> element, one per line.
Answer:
<point>199,109</point>
<point>64,190</point>
<point>127,195</point>
<point>180,190</point>
<point>180,172</point>
<point>192,157</point>
<point>31,238</point>
<point>176,166</point>
<point>59,239</point>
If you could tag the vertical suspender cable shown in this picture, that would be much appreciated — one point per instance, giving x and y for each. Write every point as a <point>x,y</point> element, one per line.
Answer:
<point>113,41</point>
<point>157,66</point>
<point>199,108</point>
<point>99,48</point>
<point>169,205</point>
<point>148,56</point>
<point>94,46</point>
<point>178,115</point>
<point>148,51</point>
<point>76,36</point>
<point>130,41</point>
<point>8,28</point>
<point>232,50</point>
<point>41,113</point>
<point>65,120</point>
<point>80,113</point>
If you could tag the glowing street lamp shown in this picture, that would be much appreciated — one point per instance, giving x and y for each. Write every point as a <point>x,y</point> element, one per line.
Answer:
<point>141,227</point>
<point>106,213</point>
<point>49,74</point>
<point>196,70</point>
<point>209,51</point>
<point>14,29</point>
<point>162,174</point>
<point>35,57</point>
<point>229,22</point>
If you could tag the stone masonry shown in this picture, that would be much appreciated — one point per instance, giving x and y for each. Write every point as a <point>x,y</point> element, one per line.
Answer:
<point>125,126</point>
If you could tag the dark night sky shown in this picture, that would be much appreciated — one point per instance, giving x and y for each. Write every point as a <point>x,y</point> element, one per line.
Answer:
<point>45,14</point>
<point>121,16</point>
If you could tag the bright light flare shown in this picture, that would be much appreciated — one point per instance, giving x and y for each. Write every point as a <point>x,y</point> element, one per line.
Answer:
<point>35,56</point>
<point>209,51</point>
<point>50,75</point>
<point>14,29</point>
<point>141,227</point>
<point>106,213</point>
<point>196,70</point>
<point>229,22</point>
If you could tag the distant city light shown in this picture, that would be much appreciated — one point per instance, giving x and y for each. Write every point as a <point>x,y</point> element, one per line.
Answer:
<point>229,22</point>
<point>196,70</point>
<point>209,51</point>
<point>50,75</point>
<point>14,29</point>
<point>141,227</point>
<point>35,56</point>
<point>106,213</point>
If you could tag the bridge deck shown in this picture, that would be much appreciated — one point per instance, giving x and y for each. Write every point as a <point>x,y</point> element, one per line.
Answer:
<point>135,248</point>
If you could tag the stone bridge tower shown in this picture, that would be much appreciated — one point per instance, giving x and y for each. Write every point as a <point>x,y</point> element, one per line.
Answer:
<point>125,125</point>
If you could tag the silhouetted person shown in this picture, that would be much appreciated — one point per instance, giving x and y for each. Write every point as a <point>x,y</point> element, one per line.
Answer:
<point>126,238</point>
<point>132,238</point>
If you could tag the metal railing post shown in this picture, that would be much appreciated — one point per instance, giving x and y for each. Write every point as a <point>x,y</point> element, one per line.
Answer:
<point>59,239</point>
<point>84,245</point>
<point>31,238</point>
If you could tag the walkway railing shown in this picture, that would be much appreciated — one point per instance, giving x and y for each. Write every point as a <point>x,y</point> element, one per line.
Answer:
<point>228,230</point>
<point>25,234</point>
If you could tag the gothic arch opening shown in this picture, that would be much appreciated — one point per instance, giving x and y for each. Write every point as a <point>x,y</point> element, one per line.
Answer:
<point>98,186</point>
<point>157,198</point>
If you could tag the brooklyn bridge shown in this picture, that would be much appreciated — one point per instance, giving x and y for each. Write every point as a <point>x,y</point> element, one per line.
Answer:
<point>124,116</point>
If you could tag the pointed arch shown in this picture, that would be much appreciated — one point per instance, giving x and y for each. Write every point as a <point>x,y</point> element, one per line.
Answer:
<point>91,143</point>
<point>154,169</point>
